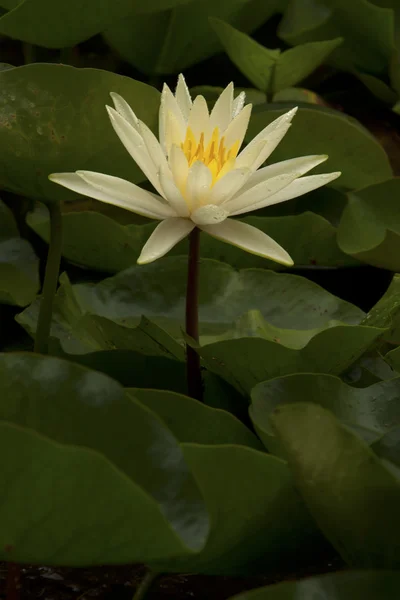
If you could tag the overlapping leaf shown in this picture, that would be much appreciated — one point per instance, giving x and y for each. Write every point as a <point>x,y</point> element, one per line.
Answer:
<point>173,40</point>
<point>68,22</point>
<point>271,70</point>
<point>368,31</point>
<point>352,494</point>
<point>109,506</point>
<point>19,266</point>
<point>319,130</point>
<point>53,118</point>
<point>96,241</point>
<point>363,585</point>
<point>370,411</point>
<point>370,226</point>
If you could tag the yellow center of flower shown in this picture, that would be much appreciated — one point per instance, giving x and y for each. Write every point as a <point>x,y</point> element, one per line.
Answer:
<point>215,155</point>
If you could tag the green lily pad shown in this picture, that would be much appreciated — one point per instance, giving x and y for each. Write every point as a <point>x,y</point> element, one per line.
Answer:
<point>62,418</point>
<point>173,40</point>
<point>370,411</point>
<point>74,332</point>
<point>271,70</point>
<point>53,118</point>
<point>247,361</point>
<point>319,130</point>
<point>353,585</point>
<point>352,494</point>
<point>368,31</point>
<point>370,226</point>
<point>256,527</point>
<point>19,265</point>
<point>96,241</point>
<point>67,22</point>
<point>193,422</point>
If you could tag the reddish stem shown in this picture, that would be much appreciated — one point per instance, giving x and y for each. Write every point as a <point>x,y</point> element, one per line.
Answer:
<point>193,371</point>
<point>13,581</point>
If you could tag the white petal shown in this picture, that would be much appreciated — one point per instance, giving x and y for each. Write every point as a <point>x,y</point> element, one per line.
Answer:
<point>227,186</point>
<point>172,193</point>
<point>300,186</point>
<point>199,118</point>
<point>165,236</point>
<point>248,238</point>
<point>134,143</point>
<point>183,98</point>
<point>238,104</point>
<point>237,128</point>
<point>198,185</point>
<point>179,166</point>
<point>221,113</point>
<point>123,108</point>
<point>169,104</point>
<point>116,191</point>
<point>300,165</point>
<point>259,193</point>
<point>209,215</point>
<point>271,136</point>
<point>153,146</point>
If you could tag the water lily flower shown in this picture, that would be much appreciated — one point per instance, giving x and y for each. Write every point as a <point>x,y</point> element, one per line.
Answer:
<point>201,175</point>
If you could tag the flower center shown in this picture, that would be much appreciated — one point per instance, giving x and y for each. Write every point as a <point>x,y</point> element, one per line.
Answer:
<point>215,155</point>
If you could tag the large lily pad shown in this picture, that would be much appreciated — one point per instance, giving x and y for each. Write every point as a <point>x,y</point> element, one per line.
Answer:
<point>353,495</point>
<point>67,22</point>
<point>363,585</point>
<point>371,411</point>
<point>96,241</point>
<point>319,130</point>
<point>19,265</point>
<point>173,40</point>
<point>370,226</point>
<point>126,493</point>
<point>74,332</point>
<point>256,527</point>
<point>53,118</point>
<point>193,421</point>
<point>246,361</point>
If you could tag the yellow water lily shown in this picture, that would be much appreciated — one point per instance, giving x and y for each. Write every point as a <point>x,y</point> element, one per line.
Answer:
<point>201,176</point>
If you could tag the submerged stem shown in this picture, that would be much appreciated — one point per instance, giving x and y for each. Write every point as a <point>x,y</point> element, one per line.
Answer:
<point>194,382</point>
<point>50,279</point>
<point>145,585</point>
<point>13,581</point>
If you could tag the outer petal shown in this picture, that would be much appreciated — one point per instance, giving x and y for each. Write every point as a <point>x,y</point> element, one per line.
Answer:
<point>198,185</point>
<point>237,128</point>
<point>175,198</point>
<point>123,108</point>
<point>134,143</point>
<point>221,114</point>
<point>259,193</point>
<point>298,187</point>
<point>210,214</point>
<point>116,191</point>
<point>248,238</point>
<point>227,186</point>
<point>271,136</point>
<point>300,165</point>
<point>238,104</point>
<point>153,146</point>
<point>183,97</point>
<point>169,104</point>
<point>165,236</point>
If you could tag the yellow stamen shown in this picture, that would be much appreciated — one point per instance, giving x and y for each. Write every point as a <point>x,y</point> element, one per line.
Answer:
<point>219,159</point>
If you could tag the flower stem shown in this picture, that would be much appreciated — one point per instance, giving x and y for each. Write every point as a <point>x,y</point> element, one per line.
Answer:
<point>145,585</point>
<point>50,279</point>
<point>194,382</point>
<point>13,581</point>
